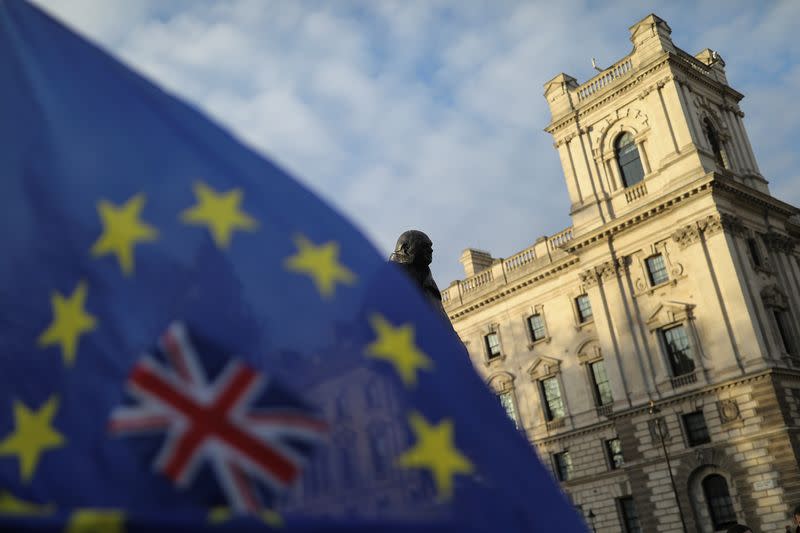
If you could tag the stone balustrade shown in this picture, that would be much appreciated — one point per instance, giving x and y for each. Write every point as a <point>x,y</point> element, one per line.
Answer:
<point>604,79</point>
<point>635,192</point>
<point>519,260</point>
<point>502,270</point>
<point>561,238</point>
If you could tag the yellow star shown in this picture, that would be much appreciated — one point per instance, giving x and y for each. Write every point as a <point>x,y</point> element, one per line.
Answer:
<point>96,520</point>
<point>32,435</point>
<point>396,345</point>
<point>122,230</point>
<point>321,263</point>
<point>70,321</point>
<point>220,515</point>
<point>220,212</point>
<point>435,451</point>
<point>10,505</point>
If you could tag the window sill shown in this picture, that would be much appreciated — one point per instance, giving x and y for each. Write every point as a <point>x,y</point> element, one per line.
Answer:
<point>543,340</point>
<point>581,325</point>
<point>495,359</point>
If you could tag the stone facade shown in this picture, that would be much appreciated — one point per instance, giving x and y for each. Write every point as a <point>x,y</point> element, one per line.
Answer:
<point>669,308</point>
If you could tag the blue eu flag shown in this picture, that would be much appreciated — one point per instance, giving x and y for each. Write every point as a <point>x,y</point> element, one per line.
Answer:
<point>190,340</point>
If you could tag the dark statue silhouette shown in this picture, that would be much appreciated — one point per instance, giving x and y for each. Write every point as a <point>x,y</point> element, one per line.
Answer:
<point>414,253</point>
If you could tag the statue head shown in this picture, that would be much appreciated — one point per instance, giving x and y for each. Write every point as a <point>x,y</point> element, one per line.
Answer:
<point>413,247</point>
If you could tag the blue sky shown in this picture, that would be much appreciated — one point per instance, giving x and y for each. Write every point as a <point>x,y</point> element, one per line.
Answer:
<point>429,114</point>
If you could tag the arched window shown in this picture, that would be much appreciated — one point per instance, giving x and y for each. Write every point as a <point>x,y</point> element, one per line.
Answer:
<point>713,140</point>
<point>718,499</point>
<point>630,164</point>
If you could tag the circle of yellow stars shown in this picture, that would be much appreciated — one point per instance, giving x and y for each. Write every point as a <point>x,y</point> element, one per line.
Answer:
<point>220,213</point>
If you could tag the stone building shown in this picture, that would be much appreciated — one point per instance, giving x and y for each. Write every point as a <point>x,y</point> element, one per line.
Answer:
<point>668,309</point>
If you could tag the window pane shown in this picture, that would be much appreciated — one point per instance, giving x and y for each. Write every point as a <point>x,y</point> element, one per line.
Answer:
<point>584,307</point>
<point>718,499</point>
<point>602,387</point>
<point>563,466</point>
<point>630,165</point>
<point>493,345</point>
<point>679,352</point>
<point>536,326</point>
<point>630,520</point>
<point>696,430</point>
<point>614,450</point>
<point>657,270</point>
<point>554,408</point>
<point>507,401</point>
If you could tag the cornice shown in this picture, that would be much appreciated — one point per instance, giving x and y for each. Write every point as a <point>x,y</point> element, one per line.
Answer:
<point>711,183</point>
<point>751,196</point>
<point>509,288</point>
<point>594,102</point>
<point>636,218</point>
<point>682,64</point>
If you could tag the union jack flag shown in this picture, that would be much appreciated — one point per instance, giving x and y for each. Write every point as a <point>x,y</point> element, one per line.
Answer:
<point>221,423</point>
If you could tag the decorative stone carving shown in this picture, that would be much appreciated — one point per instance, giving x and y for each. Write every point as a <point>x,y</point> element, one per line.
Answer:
<point>686,235</point>
<point>677,270</point>
<point>543,367</point>
<point>728,411</point>
<point>779,243</point>
<point>605,271</point>
<point>731,224</point>
<point>589,278</point>
<point>501,382</point>
<point>772,296</point>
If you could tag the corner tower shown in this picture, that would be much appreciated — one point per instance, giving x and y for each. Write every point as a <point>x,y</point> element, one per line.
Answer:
<point>650,124</point>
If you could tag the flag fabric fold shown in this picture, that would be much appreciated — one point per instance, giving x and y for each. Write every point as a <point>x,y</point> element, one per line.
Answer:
<point>192,340</point>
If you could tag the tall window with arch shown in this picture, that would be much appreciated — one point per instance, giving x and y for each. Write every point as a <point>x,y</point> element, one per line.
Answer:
<point>628,159</point>
<point>715,143</point>
<point>718,499</point>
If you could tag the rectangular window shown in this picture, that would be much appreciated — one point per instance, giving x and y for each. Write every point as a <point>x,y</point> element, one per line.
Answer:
<point>584,308</point>
<point>782,321</point>
<point>602,388</point>
<point>563,464</point>
<point>679,352</point>
<point>755,253</point>
<point>492,345</point>
<point>507,401</point>
<point>630,520</point>
<point>553,406</point>
<point>657,270</point>
<point>614,451</point>
<point>696,430</point>
<point>536,327</point>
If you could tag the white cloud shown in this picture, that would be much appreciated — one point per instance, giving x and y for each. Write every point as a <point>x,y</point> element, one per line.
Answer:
<point>430,114</point>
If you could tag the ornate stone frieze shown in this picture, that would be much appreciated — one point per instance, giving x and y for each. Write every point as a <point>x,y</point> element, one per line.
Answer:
<point>709,225</point>
<point>686,235</point>
<point>605,271</point>
<point>589,278</point>
<point>779,243</point>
